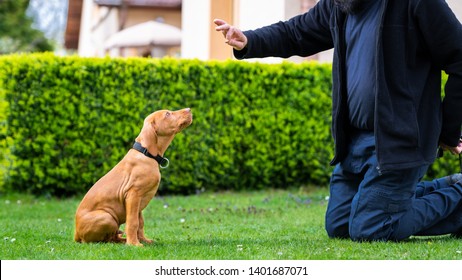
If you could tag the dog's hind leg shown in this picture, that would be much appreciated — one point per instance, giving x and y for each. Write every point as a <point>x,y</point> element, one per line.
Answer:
<point>118,237</point>
<point>97,226</point>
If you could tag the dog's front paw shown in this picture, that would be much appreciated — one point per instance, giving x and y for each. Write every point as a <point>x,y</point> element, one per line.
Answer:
<point>137,244</point>
<point>134,243</point>
<point>146,240</point>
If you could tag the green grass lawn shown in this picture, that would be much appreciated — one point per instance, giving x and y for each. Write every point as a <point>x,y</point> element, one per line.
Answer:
<point>264,225</point>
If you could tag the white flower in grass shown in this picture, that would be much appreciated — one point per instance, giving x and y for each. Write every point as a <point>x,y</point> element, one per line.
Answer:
<point>6,238</point>
<point>48,241</point>
<point>12,239</point>
<point>165,206</point>
<point>18,201</point>
<point>280,253</point>
<point>459,252</point>
<point>327,198</point>
<point>182,220</point>
<point>59,220</point>
<point>240,247</point>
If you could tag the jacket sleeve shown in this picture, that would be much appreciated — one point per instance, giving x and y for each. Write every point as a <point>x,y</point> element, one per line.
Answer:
<point>443,34</point>
<point>303,35</point>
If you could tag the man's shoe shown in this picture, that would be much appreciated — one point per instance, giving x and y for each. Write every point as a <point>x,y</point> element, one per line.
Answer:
<point>454,178</point>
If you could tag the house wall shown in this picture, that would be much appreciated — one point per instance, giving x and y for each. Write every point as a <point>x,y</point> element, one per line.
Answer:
<point>100,22</point>
<point>97,24</point>
<point>195,29</point>
<point>139,15</point>
<point>223,9</point>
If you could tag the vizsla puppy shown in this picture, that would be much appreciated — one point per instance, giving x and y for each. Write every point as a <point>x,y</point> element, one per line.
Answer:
<point>120,195</point>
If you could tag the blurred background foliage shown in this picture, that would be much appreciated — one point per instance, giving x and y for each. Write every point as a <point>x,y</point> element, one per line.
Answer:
<point>18,30</point>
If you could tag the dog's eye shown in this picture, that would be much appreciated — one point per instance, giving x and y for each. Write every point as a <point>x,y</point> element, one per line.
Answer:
<point>167,114</point>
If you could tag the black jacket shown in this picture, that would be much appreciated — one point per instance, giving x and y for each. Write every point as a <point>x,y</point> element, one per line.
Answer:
<point>417,39</point>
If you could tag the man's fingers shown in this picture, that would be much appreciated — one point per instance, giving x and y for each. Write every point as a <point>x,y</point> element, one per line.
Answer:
<point>221,25</point>
<point>219,22</point>
<point>230,33</point>
<point>235,44</point>
<point>224,28</point>
<point>234,37</point>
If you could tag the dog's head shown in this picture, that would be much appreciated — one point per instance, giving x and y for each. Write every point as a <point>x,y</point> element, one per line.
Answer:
<point>161,126</point>
<point>169,123</point>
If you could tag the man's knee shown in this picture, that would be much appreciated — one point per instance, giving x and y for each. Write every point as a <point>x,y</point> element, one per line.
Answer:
<point>379,228</point>
<point>336,230</point>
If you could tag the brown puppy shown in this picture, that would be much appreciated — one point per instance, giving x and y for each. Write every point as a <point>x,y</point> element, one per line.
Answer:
<point>120,195</point>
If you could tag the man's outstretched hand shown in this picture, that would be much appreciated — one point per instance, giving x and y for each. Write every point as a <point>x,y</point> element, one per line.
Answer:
<point>234,36</point>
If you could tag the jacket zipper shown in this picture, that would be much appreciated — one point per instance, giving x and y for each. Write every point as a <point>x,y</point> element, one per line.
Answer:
<point>339,83</point>
<point>378,41</point>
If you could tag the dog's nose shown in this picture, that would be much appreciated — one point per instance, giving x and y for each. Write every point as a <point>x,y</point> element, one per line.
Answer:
<point>188,110</point>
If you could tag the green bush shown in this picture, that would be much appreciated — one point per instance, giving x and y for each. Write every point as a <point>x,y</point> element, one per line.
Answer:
<point>4,151</point>
<point>71,119</point>
<point>66,121</point>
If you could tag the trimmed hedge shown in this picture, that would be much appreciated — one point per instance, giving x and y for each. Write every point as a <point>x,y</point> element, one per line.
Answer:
<point>66,121</point>
<point>71,119</point>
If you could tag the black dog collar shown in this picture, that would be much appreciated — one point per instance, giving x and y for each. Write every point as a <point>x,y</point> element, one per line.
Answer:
<point>163,162</point>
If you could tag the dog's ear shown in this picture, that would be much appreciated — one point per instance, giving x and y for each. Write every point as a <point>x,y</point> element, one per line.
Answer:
<point>154,130</point>
<point>148,134</point>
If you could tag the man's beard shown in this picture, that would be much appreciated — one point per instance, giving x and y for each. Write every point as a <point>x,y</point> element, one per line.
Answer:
<point>350,6</point>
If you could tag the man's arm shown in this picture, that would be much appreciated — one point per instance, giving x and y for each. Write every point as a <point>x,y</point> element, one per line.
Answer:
<point>442,33</point>
<point>302,35</point>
